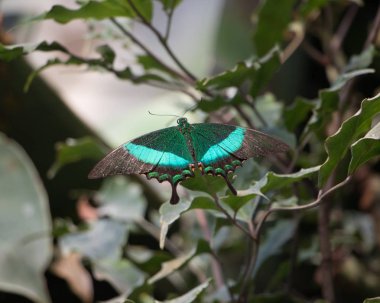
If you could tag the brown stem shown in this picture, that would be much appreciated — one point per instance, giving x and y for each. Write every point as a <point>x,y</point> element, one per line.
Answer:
<point>374,30</point>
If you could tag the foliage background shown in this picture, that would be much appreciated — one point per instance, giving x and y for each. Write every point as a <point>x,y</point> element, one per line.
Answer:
<point>305,71</point>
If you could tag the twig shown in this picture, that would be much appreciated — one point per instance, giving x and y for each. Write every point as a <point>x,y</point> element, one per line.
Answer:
<point>375,29</point>
<point>144,48</point>
<point>251,265</point>
<point>315,54</point>
<point>230,218</point>
<point>244,116</point>
<point>311,205</point>
<point>191,78</point>
<point>169,23</point>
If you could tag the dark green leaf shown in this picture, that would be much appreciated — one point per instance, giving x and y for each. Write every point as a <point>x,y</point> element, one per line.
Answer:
<point>170,4</point>
<point>372,300</point>
<point>273,19</point>
<point>74,150</point>
<point>26,248</point>
<point>91,10</point>
<point>107,54</point>
<point>10,53</point>
<point>265,67</point>
<point>203,203</point>
<point>297,113</point>
<point>236,202</point>
<point>310,6</point>
<point>338,144</point>
<point>205,183</point>
<point>364,149</point>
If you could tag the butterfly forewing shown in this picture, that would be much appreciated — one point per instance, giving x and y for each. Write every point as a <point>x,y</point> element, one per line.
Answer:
<point>164,151</point>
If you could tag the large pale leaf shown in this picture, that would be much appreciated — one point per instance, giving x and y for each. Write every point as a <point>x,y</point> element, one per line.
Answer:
<point>189,296</point>
<point>338,144</point>
<point>364,149</point>
<point>372,300</point>
<point>170,213</point>
<point>25,225</point>
<point>121,200</point>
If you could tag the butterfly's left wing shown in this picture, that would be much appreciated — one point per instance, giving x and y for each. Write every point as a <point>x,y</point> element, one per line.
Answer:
<point>222,148</point>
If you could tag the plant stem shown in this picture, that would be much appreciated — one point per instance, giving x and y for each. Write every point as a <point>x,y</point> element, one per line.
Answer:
<point>164,43</point>
<point>147,51</point>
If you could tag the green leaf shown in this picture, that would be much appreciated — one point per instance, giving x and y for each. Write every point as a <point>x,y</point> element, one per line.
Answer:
<point>258,72</point>
<point>205,183</point>
<point>169,5</point>
<point>170,213</point>
<point>25,227</point>
<point>281,233</point>
<point>363,60</point>
<point>276,181</point>
<point>10,53</point>
<point>310,6</point>
<point>121,200</point>
<point>372,300</point>
<point>329,100</point>
<point>189,296</point>
<point>276,298</point>
<point>338,144</point>
<point>74,150</point>
<point>203,203</point>
<point>364,149</point>
<point>107,54</point>
<point>171,266</point>
<point>268,65</point>
<point>91,10</point>
<point>273,19</point>
<point>297,113</point>
<point>236,202</point>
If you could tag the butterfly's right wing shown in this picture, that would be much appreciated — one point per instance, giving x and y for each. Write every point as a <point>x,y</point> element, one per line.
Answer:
<point>159,153</point>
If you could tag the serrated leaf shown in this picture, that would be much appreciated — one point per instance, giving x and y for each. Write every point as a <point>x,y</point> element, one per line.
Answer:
<point>121,200</point>
<point>273,19</point>
<point>372,300</point>
<point>74,150</point>
<point>25,226</point>
<point>338,144</point>
<point>362,60</point>
<point>329,100</point>
<point>169,267</point>
<point>364,149</point>
<point>170,213</point>
<point>276,181</point>
<point>189,296</point>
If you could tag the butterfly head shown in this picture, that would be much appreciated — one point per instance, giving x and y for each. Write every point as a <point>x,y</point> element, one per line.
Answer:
<point>182,122</point>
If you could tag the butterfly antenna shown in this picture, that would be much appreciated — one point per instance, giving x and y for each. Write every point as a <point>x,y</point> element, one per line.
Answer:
<point>163,115</point>
<point>190,109</point>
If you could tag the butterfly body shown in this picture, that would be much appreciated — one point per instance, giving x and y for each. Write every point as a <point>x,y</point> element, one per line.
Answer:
<point>172,154</point>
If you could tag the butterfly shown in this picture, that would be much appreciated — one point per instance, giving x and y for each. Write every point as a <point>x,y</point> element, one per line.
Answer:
<point>173,154</point>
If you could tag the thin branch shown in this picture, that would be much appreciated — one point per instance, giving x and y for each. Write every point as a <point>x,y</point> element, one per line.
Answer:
<point>344,26</point>
<point>230,218</point>
<point>311,205</point>
<point>315,54</point>
<point>164,43</point>
<point>248,99</point>
<point>244,116</point>
<point>169,24</point>
<point>374,30</point>
<point>144,48</point>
